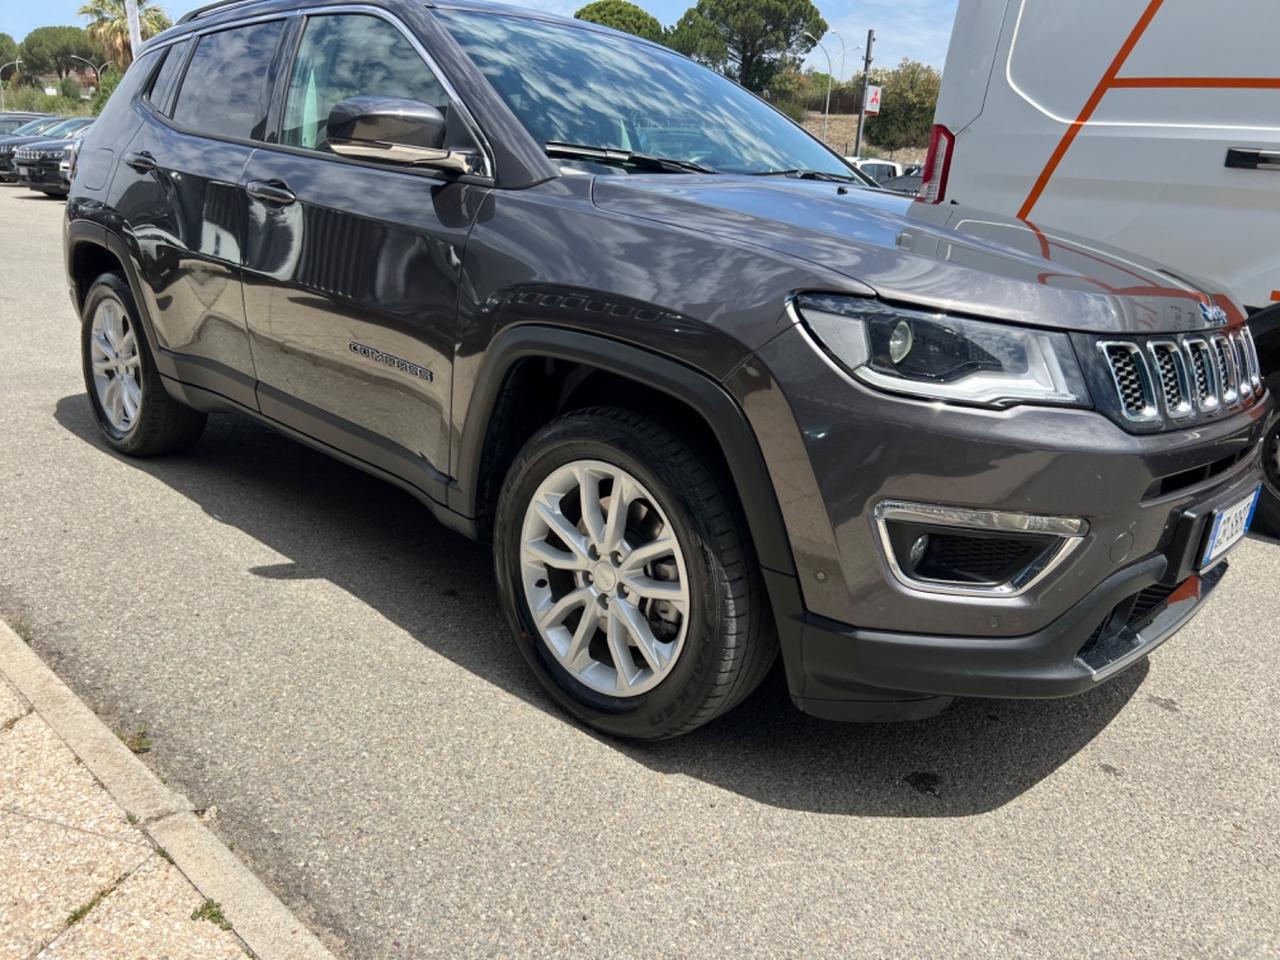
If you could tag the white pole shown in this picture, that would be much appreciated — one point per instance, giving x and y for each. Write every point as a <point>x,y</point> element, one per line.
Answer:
<point>11,63</point>
<point>826,110</point>
<point>135,27</point>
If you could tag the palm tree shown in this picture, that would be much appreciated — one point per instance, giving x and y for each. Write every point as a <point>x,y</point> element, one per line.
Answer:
<point>109,26</point>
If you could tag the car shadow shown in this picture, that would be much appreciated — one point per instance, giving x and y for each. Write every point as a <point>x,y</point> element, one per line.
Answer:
<point>381,546</point>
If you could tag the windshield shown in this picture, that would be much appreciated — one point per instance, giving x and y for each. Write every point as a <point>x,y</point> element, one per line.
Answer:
<point>580,86</point>
<point>36,126</point>
<point>65,127</point>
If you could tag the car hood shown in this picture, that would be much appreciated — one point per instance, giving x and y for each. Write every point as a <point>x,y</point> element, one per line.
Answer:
<point>58,143</point>
<point>945,257</point>
<point>10,142</point>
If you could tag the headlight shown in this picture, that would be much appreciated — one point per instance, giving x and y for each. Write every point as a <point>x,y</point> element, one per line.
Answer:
<point>940,357</point>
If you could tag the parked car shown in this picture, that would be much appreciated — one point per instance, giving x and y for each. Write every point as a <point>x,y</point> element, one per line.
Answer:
<point>42,130</point>
<point>11,120</point>
<point>908,184</point>
<point>1124,121</point>
<point>707,405</point>
<point>878,170</point>
<point>45,166</point>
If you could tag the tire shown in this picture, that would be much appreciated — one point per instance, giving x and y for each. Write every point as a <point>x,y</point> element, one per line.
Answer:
<point>1267,519</point>
<point>724,642</point>
<point>159,424</point>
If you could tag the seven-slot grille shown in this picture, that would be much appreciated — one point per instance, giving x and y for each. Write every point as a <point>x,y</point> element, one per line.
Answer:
<point>1180,377</point>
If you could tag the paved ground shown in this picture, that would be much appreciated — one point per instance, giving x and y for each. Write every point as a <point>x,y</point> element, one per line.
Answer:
<point>310,653</point>
<point>78,879</point>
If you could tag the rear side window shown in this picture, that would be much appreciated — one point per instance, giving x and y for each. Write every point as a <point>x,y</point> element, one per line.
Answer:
<point>167,77</point>
<point>351,55</point>
<point>225,90</point>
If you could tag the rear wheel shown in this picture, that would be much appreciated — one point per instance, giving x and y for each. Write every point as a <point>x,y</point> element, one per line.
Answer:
<point>627,577</point>
<point>133,410</point>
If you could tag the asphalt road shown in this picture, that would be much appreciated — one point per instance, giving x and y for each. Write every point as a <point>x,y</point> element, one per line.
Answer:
<point>313,656</point>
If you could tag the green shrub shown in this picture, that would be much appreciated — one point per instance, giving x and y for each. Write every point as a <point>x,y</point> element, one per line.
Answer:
<point>69,88</point>
<point>110,81</point>
<point>33,98</point>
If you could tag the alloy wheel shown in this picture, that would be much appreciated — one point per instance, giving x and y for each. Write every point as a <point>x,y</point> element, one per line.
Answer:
<point>117,365</point>
<point>605,578</point>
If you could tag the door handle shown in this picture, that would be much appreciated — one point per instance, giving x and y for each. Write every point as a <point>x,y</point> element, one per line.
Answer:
<point>143,162</point>
<point>1239,158</point>
<point>270,191</point>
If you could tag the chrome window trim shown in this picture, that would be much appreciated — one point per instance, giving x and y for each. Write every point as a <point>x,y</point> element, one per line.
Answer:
<point>468,119</point>
<point>486,151</point>
<point>1071,531</point>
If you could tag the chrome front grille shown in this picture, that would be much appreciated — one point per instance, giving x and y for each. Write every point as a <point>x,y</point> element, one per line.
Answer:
<point>1176,378</point>
<point>1132,380</point>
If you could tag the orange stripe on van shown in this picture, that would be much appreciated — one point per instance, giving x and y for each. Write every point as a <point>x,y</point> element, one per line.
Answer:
<point>1090,106</point>
<point>1198,83</point>
<point>1275,295</point>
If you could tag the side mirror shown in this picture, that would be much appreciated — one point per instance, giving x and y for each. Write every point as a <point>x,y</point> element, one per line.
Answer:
<point>393,130</point>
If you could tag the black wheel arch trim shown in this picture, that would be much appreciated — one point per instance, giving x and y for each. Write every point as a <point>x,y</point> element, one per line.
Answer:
<point>683,383</point>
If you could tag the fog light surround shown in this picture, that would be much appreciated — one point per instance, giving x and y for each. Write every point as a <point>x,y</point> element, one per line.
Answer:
<point>958,551</point>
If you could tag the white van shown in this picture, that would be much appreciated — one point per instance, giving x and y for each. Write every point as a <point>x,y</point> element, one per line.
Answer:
<point>1152,125</point>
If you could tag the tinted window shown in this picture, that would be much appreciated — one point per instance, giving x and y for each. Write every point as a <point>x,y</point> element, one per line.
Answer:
<point>578,85</point>
<point>8,126</point>
<point>167,77</point>
<point>225,89</point>
<point>349,56</point>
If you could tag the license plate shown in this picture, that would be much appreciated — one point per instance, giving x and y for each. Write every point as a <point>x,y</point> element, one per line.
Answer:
<point>1229,527</point>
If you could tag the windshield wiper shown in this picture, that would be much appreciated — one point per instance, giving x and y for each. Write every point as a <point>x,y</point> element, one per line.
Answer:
<point>644,161</point>
<point>799,174</point>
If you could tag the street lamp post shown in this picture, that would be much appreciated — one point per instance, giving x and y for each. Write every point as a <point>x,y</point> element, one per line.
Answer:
<point>3,67</point>
<point>826,110</point>
<point>840,73</point>
<point>97,71</point>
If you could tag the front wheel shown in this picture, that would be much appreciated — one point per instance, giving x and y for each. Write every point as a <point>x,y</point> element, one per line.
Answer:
<point>1268,516</point>
<point>627,576</point>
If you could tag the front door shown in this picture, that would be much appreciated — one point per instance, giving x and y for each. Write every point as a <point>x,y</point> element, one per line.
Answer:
<point>351,267</point>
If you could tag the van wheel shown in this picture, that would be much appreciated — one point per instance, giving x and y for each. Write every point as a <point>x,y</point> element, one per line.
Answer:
<point>628,578</point>
<point>131,406</point>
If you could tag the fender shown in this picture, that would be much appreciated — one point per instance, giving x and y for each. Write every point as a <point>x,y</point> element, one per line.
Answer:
<point>208,375</point>
<point>685,384</point>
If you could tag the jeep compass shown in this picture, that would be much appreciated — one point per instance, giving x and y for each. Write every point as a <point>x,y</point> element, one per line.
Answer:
<point>710,395</point>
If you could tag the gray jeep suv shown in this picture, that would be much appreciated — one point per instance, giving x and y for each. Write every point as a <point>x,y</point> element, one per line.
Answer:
<point>710,395</point>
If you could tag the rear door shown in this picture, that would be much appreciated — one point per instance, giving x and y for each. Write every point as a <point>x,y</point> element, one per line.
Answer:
<point>351,267</point>
<point>178,186</point>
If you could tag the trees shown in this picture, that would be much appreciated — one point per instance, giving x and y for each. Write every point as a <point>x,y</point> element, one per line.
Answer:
<point>909,96</point>
<point>109,27</point>
<point>749,40</point>
<point>622,15</point>
<point>8,49</point>
<point>52,50</point>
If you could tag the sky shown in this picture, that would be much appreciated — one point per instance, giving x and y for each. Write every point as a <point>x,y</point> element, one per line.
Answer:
<point>918,29</point>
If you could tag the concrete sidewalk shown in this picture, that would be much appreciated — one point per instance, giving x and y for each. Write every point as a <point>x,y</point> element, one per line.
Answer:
<point>77,879</point>
<point>98,858</point>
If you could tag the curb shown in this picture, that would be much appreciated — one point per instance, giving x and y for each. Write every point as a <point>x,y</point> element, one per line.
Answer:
<point>168,819</point>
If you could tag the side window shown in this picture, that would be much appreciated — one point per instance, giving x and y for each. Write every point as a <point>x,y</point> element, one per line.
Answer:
<point>351,55</point>
<point>167,76</point>
<point>225,90</point>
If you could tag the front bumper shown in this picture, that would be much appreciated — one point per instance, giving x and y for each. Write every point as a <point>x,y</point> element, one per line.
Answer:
<point>867,646</point>
<point>42,175</point>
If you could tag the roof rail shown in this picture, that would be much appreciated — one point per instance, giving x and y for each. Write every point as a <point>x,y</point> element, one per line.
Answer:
<point>210,8</point>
